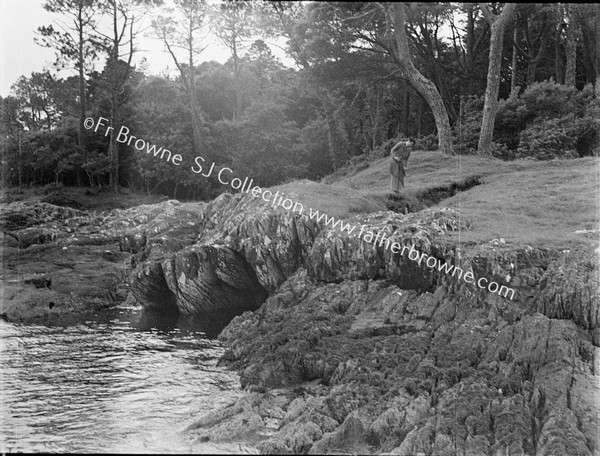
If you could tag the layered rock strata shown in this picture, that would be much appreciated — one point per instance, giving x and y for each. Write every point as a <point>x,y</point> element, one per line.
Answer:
<point>57,260</point>
<point>350,347</point>
<point>360,349</point>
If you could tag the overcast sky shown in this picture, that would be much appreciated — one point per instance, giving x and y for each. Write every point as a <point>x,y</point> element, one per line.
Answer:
<point>20,55</point>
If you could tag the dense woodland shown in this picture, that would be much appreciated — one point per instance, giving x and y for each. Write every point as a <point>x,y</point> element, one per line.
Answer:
<point>502,80</point>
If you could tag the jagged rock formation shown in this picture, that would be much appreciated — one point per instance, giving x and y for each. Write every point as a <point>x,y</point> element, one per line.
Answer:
<point>351,347</point>
<point>57,260</point>
<point>243,251</point>
<point>359,349</point>
<point>246,242</point>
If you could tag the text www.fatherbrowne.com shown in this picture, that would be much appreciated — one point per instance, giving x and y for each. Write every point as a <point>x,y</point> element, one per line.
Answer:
<point>277,199</point>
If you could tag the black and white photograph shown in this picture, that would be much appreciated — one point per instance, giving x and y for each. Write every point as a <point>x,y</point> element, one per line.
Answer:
<point>299,227</point>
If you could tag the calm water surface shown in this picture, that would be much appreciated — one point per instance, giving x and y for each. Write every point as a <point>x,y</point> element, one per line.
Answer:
<point>124,381</point>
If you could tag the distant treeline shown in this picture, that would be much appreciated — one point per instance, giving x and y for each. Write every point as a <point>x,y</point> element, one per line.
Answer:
<point>351,90</point>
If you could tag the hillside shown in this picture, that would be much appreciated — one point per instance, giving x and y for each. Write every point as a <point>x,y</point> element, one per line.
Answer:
<point>538,203</point>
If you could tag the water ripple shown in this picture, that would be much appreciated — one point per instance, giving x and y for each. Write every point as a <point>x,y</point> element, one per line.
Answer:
<point>121,382</point>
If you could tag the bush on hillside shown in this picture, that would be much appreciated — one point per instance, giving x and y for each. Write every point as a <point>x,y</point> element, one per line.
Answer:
<point>547,121</point>
<point>466,131</point>
<point>556,122</point>
<point>588,133</point>
<point>511,119</point>
<point>546,139</point>
<point>548,100</point>
<point>428,142</point>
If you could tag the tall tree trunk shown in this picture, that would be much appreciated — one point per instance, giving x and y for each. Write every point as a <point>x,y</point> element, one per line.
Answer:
<point>558,63</point>
<point>188,75</point>
<point>373,132</point>
<point>236,77</point>
<point>195,112</point>
<point>406,111</point>
<point>82,100</point>
<point>118,72</point>
<point>19,152</point>
<point>419,118</point>
<point>338,139</point>
<point>423,85</point>
<point>197,122</point>
<point>570,67</point>
<point>470,38</point>
<point>497,25</point>
<point>534,57</point>
<point>80,58</point>
<point>113,147</point>
<point>514,89</point>
<point>571,47</point>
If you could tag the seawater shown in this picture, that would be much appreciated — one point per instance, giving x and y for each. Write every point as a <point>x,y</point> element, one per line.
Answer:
<point>120,381</point>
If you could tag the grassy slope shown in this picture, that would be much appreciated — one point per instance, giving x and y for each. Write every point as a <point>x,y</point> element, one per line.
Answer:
<point>524,201</point>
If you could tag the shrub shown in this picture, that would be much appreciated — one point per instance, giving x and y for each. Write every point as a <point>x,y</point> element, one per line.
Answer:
<point>466,131</point>
<point>511,119</point>
<point>549,100</point>
<point>546,139</point>
<point>53,188</point>
<point>501,151</point>
<point>547,121</point>
<point>588,127</point>
<point>428,142</point>
<point>550,121</point>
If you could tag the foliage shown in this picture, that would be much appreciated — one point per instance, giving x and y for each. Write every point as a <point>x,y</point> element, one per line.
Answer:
<point>550,121</point>
<point>77,16</point>
<point>41,157</point>
<point>161,119</point>
<point>313,143</point>
<point>546,121</point>
<point>548,99</point>
<point>38,96</point>
<point>346,97</point>
<point>548,138</point>
<point>466,131</point>
<point>427,142</point>
<point>262,144</point>
<point>383,150</point>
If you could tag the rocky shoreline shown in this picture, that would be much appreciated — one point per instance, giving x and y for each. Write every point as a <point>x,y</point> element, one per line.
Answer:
<point>361,350</point>
<point>343,346</point>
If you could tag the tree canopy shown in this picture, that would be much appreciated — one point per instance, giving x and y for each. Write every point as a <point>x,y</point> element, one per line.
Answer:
<point>358,77</point>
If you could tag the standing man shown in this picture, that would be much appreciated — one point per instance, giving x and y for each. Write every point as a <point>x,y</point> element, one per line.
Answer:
<point>399,158</point>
